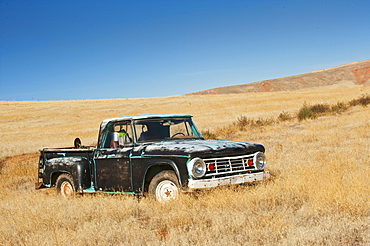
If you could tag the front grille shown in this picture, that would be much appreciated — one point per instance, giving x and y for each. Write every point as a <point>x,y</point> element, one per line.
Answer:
<point>228,166</point>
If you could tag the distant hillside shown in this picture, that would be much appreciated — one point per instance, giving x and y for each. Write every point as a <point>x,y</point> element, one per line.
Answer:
<point>348,75</point>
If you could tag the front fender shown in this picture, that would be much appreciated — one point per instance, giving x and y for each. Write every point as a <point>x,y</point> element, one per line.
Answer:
<point>146,168</point>
<point>165,162</point>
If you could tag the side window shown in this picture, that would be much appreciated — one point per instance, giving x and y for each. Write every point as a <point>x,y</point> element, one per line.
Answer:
<point>119,135</point>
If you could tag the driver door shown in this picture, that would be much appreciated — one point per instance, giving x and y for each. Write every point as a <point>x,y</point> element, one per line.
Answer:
<point>112,160</point>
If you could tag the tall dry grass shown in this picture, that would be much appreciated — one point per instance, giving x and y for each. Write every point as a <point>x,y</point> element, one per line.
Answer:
<point>319,193</point>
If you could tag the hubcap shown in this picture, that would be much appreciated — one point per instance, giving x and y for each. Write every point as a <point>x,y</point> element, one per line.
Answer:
<point>166,191</point>
<point>66,189</point>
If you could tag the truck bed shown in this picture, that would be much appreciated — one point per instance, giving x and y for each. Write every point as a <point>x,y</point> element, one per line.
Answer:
<point>50,153</point>
<point>47,154</point>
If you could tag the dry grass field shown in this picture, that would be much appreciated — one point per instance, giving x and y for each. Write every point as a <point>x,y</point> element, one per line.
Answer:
<point>319,193</point>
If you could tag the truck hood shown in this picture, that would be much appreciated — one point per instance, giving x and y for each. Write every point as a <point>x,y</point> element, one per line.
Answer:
<point>202,148</point>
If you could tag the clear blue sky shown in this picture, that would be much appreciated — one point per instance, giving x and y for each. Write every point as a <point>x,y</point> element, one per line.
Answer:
<point>64,50</point>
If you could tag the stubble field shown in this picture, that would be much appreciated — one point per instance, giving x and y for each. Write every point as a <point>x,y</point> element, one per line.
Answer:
<point>319,193</point>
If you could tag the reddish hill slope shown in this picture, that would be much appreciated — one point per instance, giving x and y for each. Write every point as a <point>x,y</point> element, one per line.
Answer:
<point>347,75</point>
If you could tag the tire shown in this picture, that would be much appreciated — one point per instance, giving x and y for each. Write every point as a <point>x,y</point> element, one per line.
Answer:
<point>164,186</point>
<point>65,186</point>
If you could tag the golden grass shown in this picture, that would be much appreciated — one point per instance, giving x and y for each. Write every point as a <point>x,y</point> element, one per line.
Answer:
<point>319,193</point>
<point>26,127</point>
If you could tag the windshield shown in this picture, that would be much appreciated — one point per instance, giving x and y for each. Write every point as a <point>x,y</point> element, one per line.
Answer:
<point>165,129</point>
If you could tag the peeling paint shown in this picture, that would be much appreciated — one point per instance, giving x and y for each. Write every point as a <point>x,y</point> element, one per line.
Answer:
<point>64,161</point>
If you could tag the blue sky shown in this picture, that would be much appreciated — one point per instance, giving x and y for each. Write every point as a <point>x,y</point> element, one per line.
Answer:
<point>67,50</point>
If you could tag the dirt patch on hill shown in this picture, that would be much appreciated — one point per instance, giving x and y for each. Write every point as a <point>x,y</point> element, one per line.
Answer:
<point>362,75</point>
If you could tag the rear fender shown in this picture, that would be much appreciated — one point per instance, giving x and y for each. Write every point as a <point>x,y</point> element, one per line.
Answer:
<point>77,167</point>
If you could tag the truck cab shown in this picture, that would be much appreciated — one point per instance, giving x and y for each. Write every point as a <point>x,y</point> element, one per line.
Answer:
<point>159,155</point>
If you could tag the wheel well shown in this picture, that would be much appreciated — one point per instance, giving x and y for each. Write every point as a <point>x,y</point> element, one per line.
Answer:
<point>54,177</point>
<point>152,171</point>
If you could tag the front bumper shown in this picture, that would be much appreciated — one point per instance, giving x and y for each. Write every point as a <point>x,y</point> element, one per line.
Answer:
<point>231,180</point>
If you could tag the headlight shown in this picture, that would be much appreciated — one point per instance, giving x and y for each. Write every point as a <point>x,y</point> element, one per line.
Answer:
<point>259,160</point>
<point>197,168</point>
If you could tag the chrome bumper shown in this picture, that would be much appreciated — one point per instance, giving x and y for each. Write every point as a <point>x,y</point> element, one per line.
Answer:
<point>231,180</point>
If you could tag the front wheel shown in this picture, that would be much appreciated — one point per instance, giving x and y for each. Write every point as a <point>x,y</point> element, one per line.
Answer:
<point>65,186</point>
<point>164,186</point>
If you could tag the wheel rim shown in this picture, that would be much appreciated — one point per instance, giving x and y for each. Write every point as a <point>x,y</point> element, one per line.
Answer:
<point>66,189</point>
<point>166,191</point>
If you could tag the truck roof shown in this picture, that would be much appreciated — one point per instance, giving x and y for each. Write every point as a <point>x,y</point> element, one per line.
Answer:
<point>142,116</point>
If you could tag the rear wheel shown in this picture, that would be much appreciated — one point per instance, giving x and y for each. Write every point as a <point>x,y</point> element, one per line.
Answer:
<point>65,186</point>
<point>164,186</point>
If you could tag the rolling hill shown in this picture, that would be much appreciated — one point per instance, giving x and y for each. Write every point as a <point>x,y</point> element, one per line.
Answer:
<point>349,75</point>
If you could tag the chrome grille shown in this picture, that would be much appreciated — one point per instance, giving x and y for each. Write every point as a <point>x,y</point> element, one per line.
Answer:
<point>229,165</point>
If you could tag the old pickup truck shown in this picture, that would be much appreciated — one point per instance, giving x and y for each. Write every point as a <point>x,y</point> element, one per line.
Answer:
<point>159,155</point>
